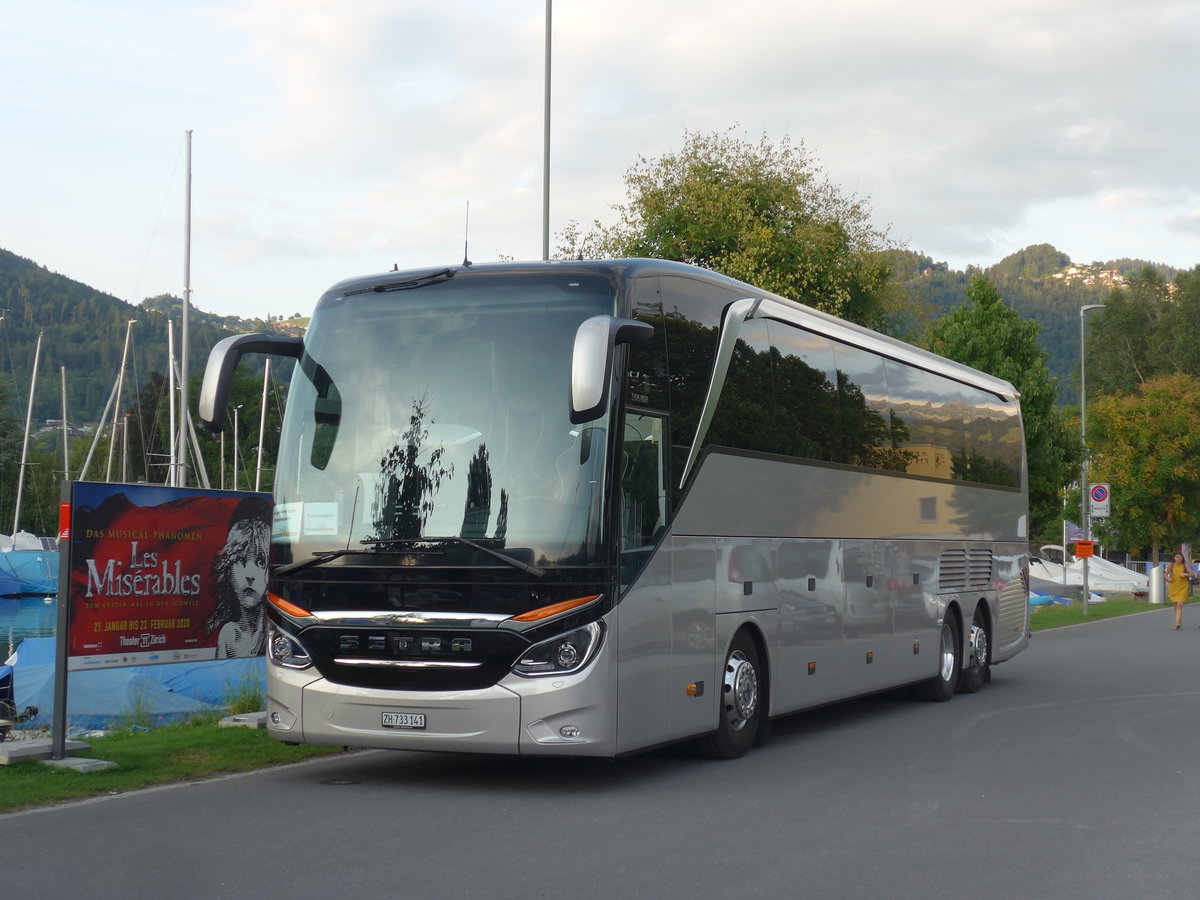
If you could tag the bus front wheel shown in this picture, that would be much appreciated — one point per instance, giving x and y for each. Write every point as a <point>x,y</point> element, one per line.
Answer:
<point>941,686</point>
<point>741,703</point>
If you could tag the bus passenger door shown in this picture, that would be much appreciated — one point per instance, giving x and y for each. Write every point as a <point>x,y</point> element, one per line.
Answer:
<point>644,615</point>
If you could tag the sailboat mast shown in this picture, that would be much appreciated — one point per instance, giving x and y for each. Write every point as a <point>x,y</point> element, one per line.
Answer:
<point>112,439</point>
<point>37,355</point>
<point>172,469</point>
<point>181,444</point>
<point>262,427</point>
<point>87,462</point>
<point>66,429</point>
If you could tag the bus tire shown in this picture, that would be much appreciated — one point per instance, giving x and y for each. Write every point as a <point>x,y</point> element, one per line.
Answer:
<point>740,708</point>
<point>941,686</point>
<point>972,678</point>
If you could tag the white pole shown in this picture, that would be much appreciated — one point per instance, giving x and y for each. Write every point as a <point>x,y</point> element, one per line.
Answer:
<point>546,145</point>
<point>236,454</point>
<point>66,431</point>
<point>125,449</point>
<point>87,463</point>
<point>197,457</point>
<point>181,479</point>
<point>1085,518</point>
<point>37,353</point>
<point>117,407</point>
<point>262,427</point>
<point>173,466</point>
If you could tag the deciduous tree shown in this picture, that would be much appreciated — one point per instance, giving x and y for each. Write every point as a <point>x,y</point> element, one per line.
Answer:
<point>760,212</point>
<point>1144,445</point>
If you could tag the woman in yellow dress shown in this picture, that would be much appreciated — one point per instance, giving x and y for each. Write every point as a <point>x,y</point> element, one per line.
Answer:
<point>1177,572</point>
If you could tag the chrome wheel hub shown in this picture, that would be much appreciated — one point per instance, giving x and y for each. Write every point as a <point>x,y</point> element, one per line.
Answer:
<point>979,647</point>
<point>740,694</point>
<point>947,667</point>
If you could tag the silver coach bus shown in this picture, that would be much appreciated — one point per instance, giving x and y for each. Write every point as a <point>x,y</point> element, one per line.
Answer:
<point>588,508</point>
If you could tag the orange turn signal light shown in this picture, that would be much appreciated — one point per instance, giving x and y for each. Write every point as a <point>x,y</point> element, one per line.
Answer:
<point>286,606</point>
<point>545,612</point>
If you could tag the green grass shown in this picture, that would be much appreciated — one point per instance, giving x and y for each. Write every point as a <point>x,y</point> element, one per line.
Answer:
<point>245,695</point>
<point>145,758</point>
<point>1056,616</point>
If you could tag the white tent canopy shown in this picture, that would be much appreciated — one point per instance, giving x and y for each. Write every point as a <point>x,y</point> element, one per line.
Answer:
<point>1103,576</point>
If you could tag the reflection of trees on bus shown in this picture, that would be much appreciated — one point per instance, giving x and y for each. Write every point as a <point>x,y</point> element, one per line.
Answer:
<point>888,448</point>
<point>780,404</point>
<point>971,465</point>
<point>808,423</point>
<point>479,495</point>
<point>406,487</point>
<point>777,402</point>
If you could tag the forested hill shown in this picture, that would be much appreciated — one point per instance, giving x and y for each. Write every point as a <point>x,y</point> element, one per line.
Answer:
<point>1039,282</point>
<point>84,330</point>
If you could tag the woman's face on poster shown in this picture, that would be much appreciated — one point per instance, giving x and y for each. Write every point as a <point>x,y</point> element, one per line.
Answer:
<point>248,574</point>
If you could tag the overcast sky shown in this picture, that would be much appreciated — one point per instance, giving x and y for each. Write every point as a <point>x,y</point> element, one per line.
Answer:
<point>340,137</point>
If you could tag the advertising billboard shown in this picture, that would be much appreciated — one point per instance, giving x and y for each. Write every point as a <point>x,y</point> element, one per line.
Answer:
<point>163,575</point>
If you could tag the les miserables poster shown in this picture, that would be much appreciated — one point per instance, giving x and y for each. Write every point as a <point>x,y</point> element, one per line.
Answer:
<point>163,574</point>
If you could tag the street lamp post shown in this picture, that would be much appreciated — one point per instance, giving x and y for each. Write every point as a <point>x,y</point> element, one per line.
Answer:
<point>1084,517</point>
<point>546,141</point>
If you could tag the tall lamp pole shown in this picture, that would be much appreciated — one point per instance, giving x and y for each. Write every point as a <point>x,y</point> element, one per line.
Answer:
<point>546,143</point>
<point>1084,516</point>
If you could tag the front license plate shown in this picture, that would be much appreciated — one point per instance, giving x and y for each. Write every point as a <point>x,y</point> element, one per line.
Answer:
<point>408,721</point>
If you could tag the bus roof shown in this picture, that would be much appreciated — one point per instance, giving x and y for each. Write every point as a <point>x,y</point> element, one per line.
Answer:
<point>624,269</point>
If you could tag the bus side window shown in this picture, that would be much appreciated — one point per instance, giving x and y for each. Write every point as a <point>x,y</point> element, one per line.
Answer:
<point>643,490</point>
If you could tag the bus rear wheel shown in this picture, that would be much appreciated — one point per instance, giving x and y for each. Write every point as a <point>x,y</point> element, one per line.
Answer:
<point>940,687</point>
<point>741,703</point>
<point>972,678</point>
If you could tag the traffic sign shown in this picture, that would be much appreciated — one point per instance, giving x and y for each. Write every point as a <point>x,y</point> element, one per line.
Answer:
<point>1083,549</point>
<point>1100,498</point>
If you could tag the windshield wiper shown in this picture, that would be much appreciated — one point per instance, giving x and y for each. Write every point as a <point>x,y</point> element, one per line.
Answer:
<point>535,571</point>
<point>419,281</point>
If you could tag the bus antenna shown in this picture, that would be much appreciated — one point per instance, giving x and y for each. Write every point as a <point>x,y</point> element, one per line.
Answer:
<point>466,234</point>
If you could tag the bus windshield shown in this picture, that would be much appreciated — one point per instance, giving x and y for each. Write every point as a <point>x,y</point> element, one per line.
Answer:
<point>423,416</point>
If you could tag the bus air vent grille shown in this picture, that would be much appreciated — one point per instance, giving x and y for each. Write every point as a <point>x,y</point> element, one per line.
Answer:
<point>961,569</point>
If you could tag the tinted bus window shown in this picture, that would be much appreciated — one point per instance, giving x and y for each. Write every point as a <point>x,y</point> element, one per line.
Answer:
<point>692,320</point>
<point>873,435</point>
<point>918,401</point>
<point>647,363</point>
<point>989,451</point>
<point>745,415</point>
<point>806,396</point>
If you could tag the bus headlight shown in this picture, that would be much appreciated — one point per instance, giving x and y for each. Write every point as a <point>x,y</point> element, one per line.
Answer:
<point>285,650</point>
<point>561,655</point>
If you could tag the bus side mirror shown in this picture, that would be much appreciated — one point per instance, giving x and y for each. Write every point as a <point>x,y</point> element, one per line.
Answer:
<point>223,359</point>
<point>591,362</point>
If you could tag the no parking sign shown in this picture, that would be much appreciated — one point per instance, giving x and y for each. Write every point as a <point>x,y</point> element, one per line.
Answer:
<point>1099,498</point>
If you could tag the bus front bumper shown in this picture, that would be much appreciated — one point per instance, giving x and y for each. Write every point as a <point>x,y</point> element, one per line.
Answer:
<point>571,715</point>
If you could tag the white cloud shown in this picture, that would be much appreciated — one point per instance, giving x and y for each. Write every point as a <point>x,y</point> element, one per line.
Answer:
<point>333,138</point>
<point>1187,224</point>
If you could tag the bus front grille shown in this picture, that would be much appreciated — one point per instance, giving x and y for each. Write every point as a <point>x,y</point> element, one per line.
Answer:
<point>413,659</point>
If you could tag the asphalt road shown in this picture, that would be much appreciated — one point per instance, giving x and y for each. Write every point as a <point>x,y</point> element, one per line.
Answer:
<point>1073,775</point>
